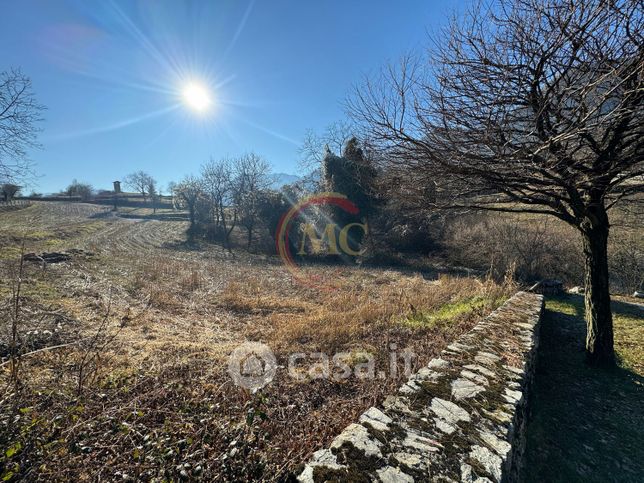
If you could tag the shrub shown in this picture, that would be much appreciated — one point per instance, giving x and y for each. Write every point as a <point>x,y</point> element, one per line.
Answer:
<point>536,247</point>
<point>532,248</point>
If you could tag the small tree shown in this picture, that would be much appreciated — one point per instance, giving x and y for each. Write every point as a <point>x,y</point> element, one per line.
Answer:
<point>19,115</point>
<point>140,182</point>
<point>353,176</point>
<point>189,192</point>
<point>271,206</point>
<point>83,190</point>
<point>216,178</point>
<point>9,191</point>
<point>252,176</point>
<point>535,107</point>
<point>152,192</point>
<point>334,137</point>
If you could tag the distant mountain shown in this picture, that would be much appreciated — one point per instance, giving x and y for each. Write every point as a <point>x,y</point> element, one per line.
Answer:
<point>280,179</point>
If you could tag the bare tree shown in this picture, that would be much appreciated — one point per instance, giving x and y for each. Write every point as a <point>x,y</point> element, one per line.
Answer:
<point>153,193</point>
<point>19,116</point>
<point>9,191</point>
<point>189,191</point>
<point>315,145</point>
<point>534,106</point>
<point>140,181</point>
<point>251,177</point>
<point>82,190</point>
<point>216,177</point>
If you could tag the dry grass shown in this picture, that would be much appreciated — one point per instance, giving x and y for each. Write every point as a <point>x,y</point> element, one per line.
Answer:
<point>160,403</point>
<point>535,247</point>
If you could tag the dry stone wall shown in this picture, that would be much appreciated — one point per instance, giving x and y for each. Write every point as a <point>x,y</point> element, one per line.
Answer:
<point>460,418</point>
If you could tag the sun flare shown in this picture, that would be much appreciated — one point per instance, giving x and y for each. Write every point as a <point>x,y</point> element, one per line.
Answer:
<point>196,96</point>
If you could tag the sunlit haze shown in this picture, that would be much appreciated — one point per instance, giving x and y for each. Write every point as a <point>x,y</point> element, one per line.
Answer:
<point>197,97</point>
<point>164,86</point>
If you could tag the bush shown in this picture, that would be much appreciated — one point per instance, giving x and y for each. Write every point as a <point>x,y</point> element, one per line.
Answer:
<point>626,261</point>
<point>538,247</point>
<point>531,248</point>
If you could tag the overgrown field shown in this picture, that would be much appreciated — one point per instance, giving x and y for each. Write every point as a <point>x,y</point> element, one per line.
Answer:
<point>534,247</point>
<point>125,349</point>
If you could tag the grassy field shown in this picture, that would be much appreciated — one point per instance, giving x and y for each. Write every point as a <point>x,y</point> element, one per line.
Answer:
<point>143,323</point>
<point>587,423</point>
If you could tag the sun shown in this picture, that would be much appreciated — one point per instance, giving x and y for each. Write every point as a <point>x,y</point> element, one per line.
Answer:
<point>196,96</point>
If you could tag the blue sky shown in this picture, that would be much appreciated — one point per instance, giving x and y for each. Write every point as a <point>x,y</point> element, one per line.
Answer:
<point>111,75</point>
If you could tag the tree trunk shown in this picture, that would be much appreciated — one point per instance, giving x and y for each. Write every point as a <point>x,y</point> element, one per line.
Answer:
<point>250,236</point>
<point>191,213</point>
<point>599,318</point>
<point>233,223</point>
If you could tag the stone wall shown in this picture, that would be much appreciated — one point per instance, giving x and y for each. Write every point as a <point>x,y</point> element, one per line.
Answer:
<point>460,418</point>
